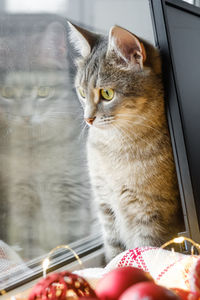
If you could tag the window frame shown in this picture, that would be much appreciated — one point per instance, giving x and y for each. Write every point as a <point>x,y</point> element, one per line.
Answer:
<point>85,248</point>
<point>172,96</point>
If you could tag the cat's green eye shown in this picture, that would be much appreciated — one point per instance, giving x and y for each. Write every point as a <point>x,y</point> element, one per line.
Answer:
<point>107,94</point>
<point>7,92</point>
<point>82,92</point>
<point>43,91</point>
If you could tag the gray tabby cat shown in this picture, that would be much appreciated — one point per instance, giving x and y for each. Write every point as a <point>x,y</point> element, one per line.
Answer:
<point>130,159</point>
<point>44,190</point>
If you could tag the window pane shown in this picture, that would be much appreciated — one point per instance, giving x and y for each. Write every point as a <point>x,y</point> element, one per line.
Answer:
<point>194,2</point>
<point>44,186</point>
<point>45,192</point>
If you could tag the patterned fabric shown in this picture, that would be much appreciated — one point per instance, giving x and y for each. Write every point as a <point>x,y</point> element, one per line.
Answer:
<point>170,269</point>
<point>194,278</point>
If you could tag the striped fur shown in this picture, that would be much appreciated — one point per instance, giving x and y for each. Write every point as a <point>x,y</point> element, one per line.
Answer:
<point>129,151</point>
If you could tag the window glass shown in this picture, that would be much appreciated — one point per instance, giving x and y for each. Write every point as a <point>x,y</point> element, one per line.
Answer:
<point>193,2</point>
<point>44,186</point>
<point>45,192</point>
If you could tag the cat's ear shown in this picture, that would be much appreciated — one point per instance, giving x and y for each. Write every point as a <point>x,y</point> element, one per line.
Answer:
<point>82,39</point>
<point>55,38</point>
<point>53,46</point>
<point>127,46</point>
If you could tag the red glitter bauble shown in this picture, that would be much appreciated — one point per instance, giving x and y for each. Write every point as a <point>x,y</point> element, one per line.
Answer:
<point>62,286</point>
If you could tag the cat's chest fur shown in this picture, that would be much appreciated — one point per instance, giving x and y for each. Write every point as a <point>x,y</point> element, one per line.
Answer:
<point>114,162</point>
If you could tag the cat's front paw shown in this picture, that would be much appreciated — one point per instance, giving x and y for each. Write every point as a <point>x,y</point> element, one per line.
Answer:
<point>112,250</point>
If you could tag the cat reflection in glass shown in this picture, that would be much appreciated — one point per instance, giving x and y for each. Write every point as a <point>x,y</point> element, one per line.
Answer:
<point>119,84</point>
<point>44,191</point>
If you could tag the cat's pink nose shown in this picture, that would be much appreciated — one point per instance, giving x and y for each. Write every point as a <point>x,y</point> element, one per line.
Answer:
<point>90,120</point>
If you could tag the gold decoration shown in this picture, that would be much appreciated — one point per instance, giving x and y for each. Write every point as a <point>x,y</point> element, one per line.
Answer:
<point>71,295</point>
<point>46,261</point>
<point>180,240</point>
<point>181,263</point>
<point>77,284</point>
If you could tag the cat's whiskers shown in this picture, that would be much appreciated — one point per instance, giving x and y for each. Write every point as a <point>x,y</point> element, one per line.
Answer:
<point>121,133</point>
<point>110,136</point>
<point>136,135</point>
<point>83,132</point>
<point>56,117</point>
<point>104,121</point>
<point>138,116</point>
<point>63,115</point>
<point>135,124</point>
<point>65,111</point>
<point>32,130</point>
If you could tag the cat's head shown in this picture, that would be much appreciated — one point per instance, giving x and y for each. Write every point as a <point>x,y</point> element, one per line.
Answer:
<point>118,77</point>
<point>34,73</point>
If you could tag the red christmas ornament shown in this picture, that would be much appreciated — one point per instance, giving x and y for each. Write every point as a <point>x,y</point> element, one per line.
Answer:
<point>114,283</point>
<point>186,295</point>
<point>88,298</point>
<point>148,290</point>
<point>62,286</point>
